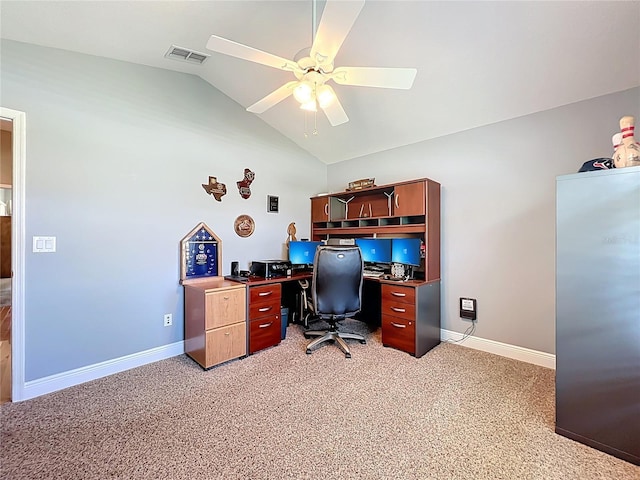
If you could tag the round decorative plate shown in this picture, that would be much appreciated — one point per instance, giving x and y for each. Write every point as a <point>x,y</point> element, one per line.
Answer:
<point>244,225</point>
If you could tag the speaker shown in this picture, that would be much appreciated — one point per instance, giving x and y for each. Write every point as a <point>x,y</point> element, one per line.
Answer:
<point>235,269</point>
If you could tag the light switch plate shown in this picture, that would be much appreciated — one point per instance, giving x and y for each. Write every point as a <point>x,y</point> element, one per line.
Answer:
<point>44,244</point>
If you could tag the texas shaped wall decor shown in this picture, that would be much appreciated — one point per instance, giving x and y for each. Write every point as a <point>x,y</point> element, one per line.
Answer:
<point>215,188</point>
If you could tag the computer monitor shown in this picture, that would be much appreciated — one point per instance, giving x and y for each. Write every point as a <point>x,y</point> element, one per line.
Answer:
<point>302,253</point>
<point>375,250</point>
<point>406,251</point>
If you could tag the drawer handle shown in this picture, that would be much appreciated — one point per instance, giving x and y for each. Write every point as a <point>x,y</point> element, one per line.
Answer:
<point>226,298</point>
<point>397,325</point>
<point>265,325</point>
<point>398,294</point>
<point>395,309</point>
<point>264,294</point>
<point>264,309</point>
<point>227,334</point>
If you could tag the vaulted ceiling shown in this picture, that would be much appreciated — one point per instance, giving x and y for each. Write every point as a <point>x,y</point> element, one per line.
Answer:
<point>478,62</point>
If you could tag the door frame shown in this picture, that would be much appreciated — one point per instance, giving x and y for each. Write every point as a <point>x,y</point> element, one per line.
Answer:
<point>17,251</point>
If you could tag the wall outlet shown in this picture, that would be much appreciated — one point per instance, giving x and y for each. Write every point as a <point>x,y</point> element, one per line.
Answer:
<point>168,320</point>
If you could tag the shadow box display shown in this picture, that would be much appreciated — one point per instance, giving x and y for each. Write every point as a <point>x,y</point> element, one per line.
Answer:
<point>200,254</point>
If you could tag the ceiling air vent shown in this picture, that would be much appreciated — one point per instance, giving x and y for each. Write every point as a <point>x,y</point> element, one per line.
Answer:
<point>186,55</point>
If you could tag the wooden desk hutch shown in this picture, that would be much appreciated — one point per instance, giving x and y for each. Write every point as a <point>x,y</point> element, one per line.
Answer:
<point>409,312</point>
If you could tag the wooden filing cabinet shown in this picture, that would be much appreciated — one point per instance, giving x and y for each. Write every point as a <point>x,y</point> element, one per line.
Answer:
<point>215,321</point>
<point>411,316</point>
<point>264,316</point>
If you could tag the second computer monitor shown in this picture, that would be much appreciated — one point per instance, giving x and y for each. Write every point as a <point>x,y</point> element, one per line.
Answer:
<point>375,250</point>
<point>406,251</point>
<point>302,253</point>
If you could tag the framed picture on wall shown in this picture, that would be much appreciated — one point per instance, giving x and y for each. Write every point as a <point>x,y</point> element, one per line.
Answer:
<point>272,204</point>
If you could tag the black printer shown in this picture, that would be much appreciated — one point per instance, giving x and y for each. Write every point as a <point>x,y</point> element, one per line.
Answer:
<point>270,268</point>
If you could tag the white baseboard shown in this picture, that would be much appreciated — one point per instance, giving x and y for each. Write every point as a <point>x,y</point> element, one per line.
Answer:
<point>59,381</point>
<point>543,359</point>
<point>53,383</point>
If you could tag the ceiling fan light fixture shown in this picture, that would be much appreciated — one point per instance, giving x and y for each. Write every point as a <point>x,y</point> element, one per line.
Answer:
<point>325,96</point>
<point>309,106</point>
<point>303,93</point>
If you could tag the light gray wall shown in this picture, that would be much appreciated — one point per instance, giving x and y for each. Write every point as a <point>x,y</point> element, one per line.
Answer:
<point>498,209</point>
<point>116,155</point>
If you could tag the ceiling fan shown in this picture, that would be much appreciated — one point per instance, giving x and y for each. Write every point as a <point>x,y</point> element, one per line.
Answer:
<point>315,67</point>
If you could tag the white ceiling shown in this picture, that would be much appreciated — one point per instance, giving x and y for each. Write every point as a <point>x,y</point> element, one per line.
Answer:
<point>478,62</point>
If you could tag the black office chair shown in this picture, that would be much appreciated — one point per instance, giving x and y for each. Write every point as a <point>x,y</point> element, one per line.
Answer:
<point>336,293</point>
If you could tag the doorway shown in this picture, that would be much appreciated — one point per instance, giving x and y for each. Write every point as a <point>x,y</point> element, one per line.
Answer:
<point>6,201</point>
<point>12,162</point>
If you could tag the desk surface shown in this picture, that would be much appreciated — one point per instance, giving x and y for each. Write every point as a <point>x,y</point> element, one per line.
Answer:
<point>253,280</point>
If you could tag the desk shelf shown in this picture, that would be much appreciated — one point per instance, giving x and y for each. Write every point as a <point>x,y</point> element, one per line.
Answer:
<point>418,221</point>
<point>389,231</point>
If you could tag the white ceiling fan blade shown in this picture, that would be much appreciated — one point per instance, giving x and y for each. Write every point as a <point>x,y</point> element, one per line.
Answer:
<point>334,111</point>
<point>336,22</point>
<point>238,50</point>
<point>375,77</point>
<point>274,97</point>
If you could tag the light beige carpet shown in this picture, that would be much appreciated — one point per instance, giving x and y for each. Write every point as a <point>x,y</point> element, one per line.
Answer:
<point>455,413</point>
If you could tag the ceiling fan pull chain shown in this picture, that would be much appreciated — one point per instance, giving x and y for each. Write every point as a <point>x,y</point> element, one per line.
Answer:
<point>315,110</point>
<point>306,135</point>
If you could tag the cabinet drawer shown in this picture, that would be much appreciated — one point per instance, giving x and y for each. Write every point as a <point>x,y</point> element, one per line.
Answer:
<point>224,307</point>
<point>264,332</point>
<point>399,333</point>
<point>225,343</point>
<point>396,293</point>
<point>406,311</point>
<point>258,310</point>
<point>264,293</point>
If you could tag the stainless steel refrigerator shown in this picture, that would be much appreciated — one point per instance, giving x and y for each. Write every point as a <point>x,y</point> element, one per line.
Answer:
<point>598,310</point>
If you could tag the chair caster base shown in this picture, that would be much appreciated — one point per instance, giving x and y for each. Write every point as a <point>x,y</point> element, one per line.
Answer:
<point>332,336</point>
